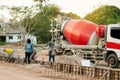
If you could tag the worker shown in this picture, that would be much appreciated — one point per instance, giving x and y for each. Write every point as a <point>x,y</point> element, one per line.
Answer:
<point>52,54</point>
<point>28,51</point>
<point>51,44</point>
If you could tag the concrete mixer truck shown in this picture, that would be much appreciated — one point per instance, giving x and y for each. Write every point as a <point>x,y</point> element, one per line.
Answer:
<point>89,39</point>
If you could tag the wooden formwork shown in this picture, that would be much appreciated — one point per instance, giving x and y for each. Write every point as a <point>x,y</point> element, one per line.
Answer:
<point>92,72</point>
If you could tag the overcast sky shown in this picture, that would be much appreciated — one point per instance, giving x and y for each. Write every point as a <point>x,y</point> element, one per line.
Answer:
<point>79,7</point>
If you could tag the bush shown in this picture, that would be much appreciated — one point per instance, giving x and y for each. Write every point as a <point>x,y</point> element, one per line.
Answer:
<point>2,43</point>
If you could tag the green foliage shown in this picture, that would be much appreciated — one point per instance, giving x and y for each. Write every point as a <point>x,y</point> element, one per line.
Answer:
<point>41,23</point>
<point>73,16</point>
<point>51,10</point>
<point>2,43</point>
<point>105,15</point>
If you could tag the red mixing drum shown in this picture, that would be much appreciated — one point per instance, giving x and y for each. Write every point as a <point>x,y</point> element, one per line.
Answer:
<point>80,32</point>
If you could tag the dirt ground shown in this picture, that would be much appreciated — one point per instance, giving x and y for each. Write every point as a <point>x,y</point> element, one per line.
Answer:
<point>10,71</point>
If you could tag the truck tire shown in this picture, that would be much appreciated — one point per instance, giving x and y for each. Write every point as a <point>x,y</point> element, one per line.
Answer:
<point>113,60</point>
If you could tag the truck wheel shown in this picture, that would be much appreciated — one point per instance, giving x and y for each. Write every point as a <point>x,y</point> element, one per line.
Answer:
<point>113,60</point>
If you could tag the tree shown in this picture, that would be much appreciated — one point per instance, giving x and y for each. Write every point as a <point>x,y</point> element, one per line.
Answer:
<point>105,15</point>
<point>41,22</point>
<point>41,4</point>
<point>72,15</point>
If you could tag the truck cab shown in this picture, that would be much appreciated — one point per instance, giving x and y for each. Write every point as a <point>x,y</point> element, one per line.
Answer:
<point>112,38</point>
